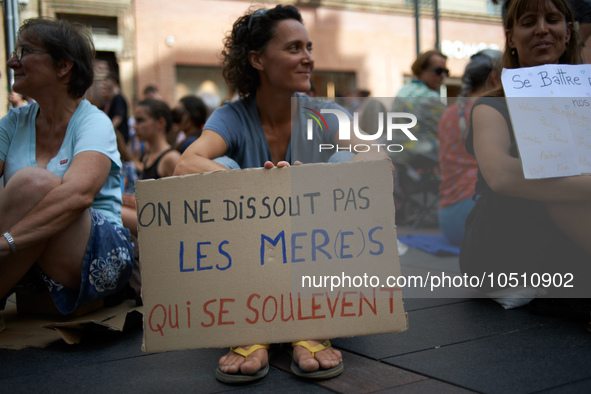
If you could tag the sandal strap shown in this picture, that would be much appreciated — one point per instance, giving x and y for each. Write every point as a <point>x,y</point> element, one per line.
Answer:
<point>313,349</point>
<point>245,353</point>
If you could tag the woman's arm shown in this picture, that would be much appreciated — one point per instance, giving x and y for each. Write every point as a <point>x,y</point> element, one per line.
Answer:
<point>168,163</point>
<point>198,157</point>
<point>504,173</point>
<point>62,205</point>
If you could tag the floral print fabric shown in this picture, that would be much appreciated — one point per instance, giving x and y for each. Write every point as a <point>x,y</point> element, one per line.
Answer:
<point>108,265</point>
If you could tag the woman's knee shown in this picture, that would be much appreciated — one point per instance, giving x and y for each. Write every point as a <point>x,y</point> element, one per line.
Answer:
<point>33,181</point>
<point>23,191</point>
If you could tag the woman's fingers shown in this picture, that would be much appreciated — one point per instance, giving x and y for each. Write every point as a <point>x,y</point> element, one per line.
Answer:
<point>269,164</point>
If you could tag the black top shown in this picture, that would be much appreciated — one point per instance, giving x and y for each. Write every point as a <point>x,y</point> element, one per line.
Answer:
<point>152,171</point>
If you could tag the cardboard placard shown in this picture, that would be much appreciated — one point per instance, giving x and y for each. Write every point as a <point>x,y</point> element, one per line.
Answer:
<point>254,256</point>
<point>550,109</point>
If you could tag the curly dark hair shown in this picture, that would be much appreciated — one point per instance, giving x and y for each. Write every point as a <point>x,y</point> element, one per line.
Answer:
<point>65,41</point>
<point>251,32</point>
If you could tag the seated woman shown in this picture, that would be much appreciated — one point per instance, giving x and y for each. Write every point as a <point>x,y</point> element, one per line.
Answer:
<point>267,60</point>
<point>457,167</point>
<point>153,121</point>
<point>189,117</point>
<point>527,226</point>
<point>60,207</point>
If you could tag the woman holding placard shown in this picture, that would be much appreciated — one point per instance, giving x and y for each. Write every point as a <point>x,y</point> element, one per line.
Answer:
<point>267,60</point>
<point>534,233</point>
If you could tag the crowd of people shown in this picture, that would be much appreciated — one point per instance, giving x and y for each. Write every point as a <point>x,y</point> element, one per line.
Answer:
<point>66,204</point>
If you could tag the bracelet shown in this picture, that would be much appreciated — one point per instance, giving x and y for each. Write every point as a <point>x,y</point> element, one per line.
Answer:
<point>10,241</point>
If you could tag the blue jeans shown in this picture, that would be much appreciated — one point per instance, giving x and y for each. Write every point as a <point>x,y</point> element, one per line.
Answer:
<point>452,220</point>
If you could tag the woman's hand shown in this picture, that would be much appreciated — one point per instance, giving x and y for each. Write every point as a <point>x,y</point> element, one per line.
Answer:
<point>282,163</point>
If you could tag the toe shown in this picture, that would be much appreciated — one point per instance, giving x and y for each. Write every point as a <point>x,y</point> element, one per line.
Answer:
<point>303,357</point>
<point>229,363</point>
<point>329,358</point>
<point>308,364</point>
<point>256,361</point>
<point>323,359</point>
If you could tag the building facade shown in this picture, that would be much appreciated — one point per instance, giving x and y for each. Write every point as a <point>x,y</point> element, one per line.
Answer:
<point>367,45</point>
<point>112,26</point>
<point>358,44</point>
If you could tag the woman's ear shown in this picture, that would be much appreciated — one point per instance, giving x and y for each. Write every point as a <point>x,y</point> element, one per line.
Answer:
<point>64,67</point>
<point>509,35</point>
<point>162,124</point>
<point>569,29</point>
<point>254,58</point>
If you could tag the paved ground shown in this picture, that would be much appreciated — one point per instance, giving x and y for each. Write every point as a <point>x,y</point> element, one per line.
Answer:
<point>453,345</point>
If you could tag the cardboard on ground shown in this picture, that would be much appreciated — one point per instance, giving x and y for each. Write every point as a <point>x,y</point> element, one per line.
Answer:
<point>550,108</point>
<point>223,255</point>
<point>39,331</point>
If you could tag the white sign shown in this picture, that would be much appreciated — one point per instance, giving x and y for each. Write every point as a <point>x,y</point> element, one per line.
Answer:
<point>550,108</point>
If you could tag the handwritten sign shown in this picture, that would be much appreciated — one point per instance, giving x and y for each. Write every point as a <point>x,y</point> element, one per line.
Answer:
<point>268,256</point>
<point>550,108</point>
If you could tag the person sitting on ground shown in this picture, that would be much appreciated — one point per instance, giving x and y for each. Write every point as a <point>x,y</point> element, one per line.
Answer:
<point>421,97</point>
<point>518,225</point>
<point>417,161</point>
<point>458,169</point>
<point>60,207</point>
<point>189,116</point>
<point>153,120</point>
<point>267,60</point>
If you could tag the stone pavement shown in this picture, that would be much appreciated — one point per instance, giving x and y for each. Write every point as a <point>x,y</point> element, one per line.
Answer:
<point>453,345</point>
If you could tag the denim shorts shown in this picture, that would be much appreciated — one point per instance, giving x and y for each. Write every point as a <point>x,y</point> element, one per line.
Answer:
<point>106,269</point>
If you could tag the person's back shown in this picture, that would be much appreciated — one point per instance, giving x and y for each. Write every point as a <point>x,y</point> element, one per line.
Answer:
<point>459,169</point>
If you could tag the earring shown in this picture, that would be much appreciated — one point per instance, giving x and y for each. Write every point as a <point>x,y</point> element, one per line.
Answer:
<point>513,52</point>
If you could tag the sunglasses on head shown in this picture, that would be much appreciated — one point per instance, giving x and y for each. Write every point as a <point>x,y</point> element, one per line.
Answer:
<point>439,71</point>
<point>254,15</point>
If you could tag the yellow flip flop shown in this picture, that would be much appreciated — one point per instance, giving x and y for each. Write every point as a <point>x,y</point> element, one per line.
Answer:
<point>320,374</point>
<point>238,378</point>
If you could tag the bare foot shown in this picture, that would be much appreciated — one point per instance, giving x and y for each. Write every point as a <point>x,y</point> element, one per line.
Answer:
<point>325,359</point>
<point>232,362</point>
